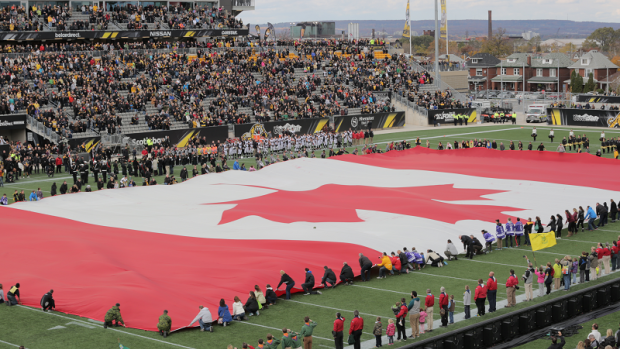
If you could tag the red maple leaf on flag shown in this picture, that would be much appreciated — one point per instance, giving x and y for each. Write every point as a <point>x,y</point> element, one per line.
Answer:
<point>338,203</point>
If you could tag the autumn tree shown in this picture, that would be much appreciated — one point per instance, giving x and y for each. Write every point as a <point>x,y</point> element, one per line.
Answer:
<point>497,45</point>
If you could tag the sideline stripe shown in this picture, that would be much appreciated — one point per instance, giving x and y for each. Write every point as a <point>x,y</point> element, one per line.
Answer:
<point>11,344</point>
<point>111,329</point>
<point>508,265</point>
<point>326,307</point>
<point>529,250</point>
<point>585,242</point>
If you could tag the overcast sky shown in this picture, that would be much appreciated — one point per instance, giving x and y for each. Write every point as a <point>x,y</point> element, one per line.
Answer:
<point>277,11</point>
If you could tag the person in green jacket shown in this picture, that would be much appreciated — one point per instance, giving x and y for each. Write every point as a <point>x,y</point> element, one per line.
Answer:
<point>114,314</point>
<point>289,339</point>
<point>306,332</point>
<point>270,343</point>
<point>164,324</point>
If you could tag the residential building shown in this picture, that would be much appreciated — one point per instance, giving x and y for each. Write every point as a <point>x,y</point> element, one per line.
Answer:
<point>529,35</point>
<point>548,71</point>
<point>482,69</point>
<point>512,72</point>
<point>596,63</point>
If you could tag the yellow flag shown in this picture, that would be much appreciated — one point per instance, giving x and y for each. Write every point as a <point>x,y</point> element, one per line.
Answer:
<point>542,240</point>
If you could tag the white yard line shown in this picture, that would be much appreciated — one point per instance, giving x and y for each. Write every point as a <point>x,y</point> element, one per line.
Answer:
<point>109,329</point>
<point>326,307</point>
<point>11,344</point>
<point>508,265</point>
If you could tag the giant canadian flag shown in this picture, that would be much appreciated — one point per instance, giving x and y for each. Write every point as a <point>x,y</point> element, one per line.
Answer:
<point>218,235</point>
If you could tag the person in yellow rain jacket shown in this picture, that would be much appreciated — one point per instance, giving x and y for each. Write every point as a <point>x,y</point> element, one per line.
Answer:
<point>386,264</point>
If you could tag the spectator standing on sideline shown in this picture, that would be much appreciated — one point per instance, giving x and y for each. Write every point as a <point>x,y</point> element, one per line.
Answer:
<point>467,302</point>
<point>355,329</point>
<point>414,315</point>
<point>540,274</point>
<point>306,332</point>
<point>511,287</point>
<point>594,263</point>
<point>557,274</point>
<point>204,318</point>
<point>429,303</point>
<point>337,332</point>
<point>567,264</point>
<point>365,265</point>
<point>378,332</point>
<point>288,281</point>
<point>528,280</point>
<point>480,296</point>
<point>443,306</point>
<point>400,321</point>
<point>491,292</point>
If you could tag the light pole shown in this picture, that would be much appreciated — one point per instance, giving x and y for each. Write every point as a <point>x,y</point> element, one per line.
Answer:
<point>316,30</point>
<point>437,78</point>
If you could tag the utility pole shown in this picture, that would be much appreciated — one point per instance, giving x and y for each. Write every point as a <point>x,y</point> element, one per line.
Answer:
<point>437,78</point>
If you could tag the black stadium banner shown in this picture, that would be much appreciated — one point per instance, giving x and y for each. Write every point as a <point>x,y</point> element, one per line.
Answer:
<point>584,117</point>
<point>276,128</point>
<point>122,34</point>
<point>446,116</point>
<point>597,99</point>
<point>377,121</point>
<point>180,138</point>
<point>13,122</point>
<point>87,143</point>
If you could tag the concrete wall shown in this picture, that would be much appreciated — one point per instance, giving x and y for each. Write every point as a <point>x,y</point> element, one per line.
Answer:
<point>456,79</point>
<point>412,118</point>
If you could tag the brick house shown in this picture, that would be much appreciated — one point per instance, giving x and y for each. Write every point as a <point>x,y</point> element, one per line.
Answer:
<point>596,63</point>
<point>512,72</point>
<point>548,71</point>
<point>481,67</point>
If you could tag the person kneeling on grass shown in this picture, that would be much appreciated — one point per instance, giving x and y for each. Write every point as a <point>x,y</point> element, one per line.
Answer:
<point>204,318</point>
<point>238,311</point>
<point>224,314</point>
<point>164,324</point>
<point>47,301</point>
<point>251,305</point>
<point>113,317</point>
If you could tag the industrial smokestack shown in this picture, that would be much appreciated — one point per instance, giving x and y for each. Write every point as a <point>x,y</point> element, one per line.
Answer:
<point>490,25</point>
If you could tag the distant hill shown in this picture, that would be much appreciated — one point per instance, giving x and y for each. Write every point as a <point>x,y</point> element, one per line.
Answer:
<point>474,27</point>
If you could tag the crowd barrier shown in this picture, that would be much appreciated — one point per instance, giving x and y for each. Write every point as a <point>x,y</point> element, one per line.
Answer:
<point>446,116</point>
<point>178,138</point>
<point>583,117</point>
<point>376,121</point>
<point>597,99</point>
<point>522,322</point>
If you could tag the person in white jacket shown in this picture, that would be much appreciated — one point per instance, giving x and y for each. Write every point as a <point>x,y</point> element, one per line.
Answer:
<point>238,311</point>
<point>204,318</point>
<point>467,301</point>
<point>451,251</point>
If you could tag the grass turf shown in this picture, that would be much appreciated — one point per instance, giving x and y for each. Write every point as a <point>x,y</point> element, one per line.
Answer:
<point>22,326</point>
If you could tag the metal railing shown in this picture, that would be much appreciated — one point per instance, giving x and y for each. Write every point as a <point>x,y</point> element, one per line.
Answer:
<point>42,130</point>
<point>243,3</point>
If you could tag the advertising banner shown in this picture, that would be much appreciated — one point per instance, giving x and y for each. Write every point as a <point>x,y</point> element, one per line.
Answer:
<point>84,144</point>
<point>122,34</point>
<point>446,116</point>
<point>583,117</point>
<point>13,122</point>
<point>276,128</point>
<point>180,138</point>
<point>597,99</point>
<point>443,30</point>
<point>375,121</point>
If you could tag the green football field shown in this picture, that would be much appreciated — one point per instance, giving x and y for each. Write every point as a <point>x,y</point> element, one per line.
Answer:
<point>36,329</point>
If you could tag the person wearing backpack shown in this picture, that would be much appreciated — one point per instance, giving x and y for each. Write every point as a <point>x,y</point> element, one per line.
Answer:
<point>593,258</point>
<point>548,277</point>
<point>567,264</point>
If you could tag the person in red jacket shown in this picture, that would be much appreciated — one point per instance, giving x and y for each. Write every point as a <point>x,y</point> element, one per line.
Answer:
<point>480,297</point>
<point>492,291</point>
<point>58,165</point>
<point>606,257</point>
<point>429,302</point>
<point>614,255</point>
<point>357,325</point>
<point>511,286</point>
<point>396,264</point>
<point>443,304</point>
<point>337,332</point>
<point>400,320</point>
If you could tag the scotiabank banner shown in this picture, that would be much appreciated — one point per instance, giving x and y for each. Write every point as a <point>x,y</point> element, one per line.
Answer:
<point>583,117</point>
<point>276,128</point>
<point>13,122</point>
<point>597,99</point>
<point>180,138</point>
<point>375,121</point>
<point>446,116</point>
<point>122,34</point>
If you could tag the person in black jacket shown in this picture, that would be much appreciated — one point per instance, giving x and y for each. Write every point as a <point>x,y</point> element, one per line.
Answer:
<point>54,189</point>
<point>63,188</point>
<point>47,301</point>
<point>270,295</point>
<point>554,342</point>
<point>183,174</point>
<point>251,305</point>
<point>613,210</point>
<point>476,245</point>
<point>366,265</point>
<point>467,246</point>
<point>346,274</point>
<point>308,285</point>
<point>285,279</point>
<point>328,278</point>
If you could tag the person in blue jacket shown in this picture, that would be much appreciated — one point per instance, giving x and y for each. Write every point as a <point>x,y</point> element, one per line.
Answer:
<point>500,233</point>
<point>34,197</point>
<point>591,217</point>
<point>236,165</point>
<point>489,238</point>
<point>223,313</point>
